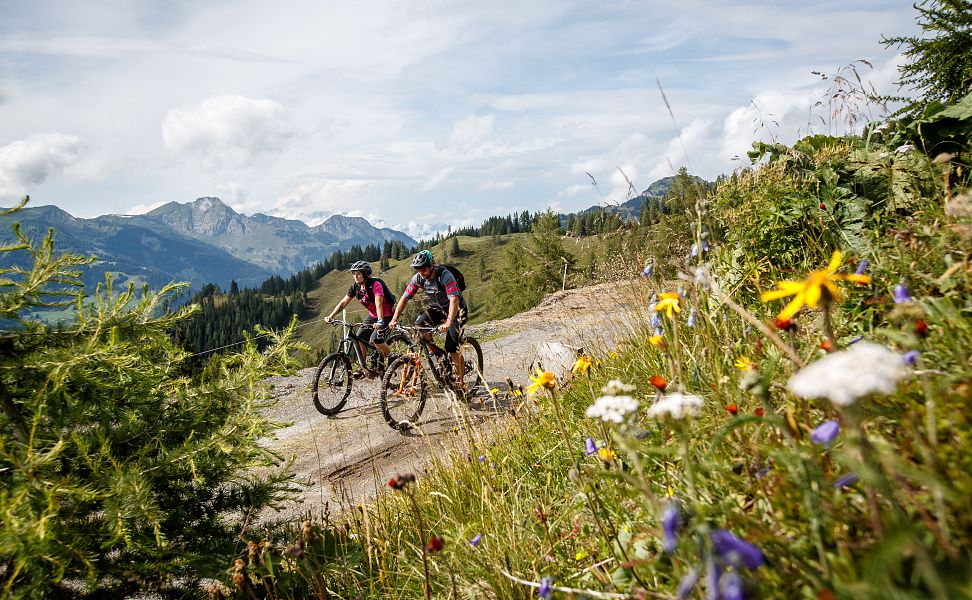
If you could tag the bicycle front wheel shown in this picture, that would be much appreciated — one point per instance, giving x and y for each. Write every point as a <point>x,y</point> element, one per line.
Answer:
<point>332,384</point>
<point>404,389</point>
<point>472,358</point>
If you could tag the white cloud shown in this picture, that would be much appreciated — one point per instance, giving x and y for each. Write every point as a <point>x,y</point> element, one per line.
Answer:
<point>228,130</point>
<point>29,162</point>
<point>495,185</point>
<point>314,201</point>
<point>436,179</point>
<point>141,209</point>
<point>468,132</point>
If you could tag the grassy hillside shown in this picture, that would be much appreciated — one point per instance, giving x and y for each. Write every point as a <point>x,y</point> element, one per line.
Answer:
<point>481,260</point>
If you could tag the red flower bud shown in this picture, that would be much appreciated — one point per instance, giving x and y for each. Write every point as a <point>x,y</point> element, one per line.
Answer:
<point>659,382</point>
<point>435,544</point>
<point>826,346</point>
<point>921,328</point>
<point>823,206</point>
<point>785,324</point>
<point>732,408</point>
<point>759,412</point>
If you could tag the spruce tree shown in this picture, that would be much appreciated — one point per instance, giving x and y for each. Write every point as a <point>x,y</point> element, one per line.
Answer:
<point>119,471</point>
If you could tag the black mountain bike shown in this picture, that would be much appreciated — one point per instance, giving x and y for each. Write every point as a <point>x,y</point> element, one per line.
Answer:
<point>406,384</point>
<point>334,378</point>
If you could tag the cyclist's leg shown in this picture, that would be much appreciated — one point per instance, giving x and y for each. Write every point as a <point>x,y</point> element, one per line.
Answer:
<point>366,332</point>
<point>453,335</point>
<point>431,318</point>
<point>378,340</point>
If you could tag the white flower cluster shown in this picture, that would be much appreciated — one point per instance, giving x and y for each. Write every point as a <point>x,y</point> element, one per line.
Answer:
<point>676,406</point>
<point>617,388</point>
<point>845,376</point>
<point>613,409</point>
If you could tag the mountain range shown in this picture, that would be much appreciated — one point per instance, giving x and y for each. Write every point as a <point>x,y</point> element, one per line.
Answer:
<point>201,242</point>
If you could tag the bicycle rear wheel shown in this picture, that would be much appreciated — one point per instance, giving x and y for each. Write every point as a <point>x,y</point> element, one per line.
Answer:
<point>332,384</point>
<point>404,389</point>
<point>472,358</point>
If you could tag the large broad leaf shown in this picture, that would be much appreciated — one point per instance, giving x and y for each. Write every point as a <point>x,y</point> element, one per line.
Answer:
<point>892,180</point>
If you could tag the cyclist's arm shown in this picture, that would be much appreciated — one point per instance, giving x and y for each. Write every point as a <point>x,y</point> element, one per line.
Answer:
<point>339,306</point>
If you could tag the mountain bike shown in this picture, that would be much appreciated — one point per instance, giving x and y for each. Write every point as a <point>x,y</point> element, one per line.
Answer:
<point>406,384</point>
<point>334,378</point>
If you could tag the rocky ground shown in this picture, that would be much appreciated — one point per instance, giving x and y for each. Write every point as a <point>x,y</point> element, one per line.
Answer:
<point>347,459</point>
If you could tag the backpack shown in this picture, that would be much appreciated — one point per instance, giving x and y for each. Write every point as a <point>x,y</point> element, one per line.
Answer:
<point>389,296</point>
<point>457,274</point>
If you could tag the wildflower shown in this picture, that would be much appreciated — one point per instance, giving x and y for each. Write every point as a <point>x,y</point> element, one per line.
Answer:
<point>612,354</point>
<point>861,267</point>
<point>671,522</point>
<point>657,341</point>
<point>400,482</point>
<point>589,446</point>
<point>818,286</point>
<point>845,376</point>
<point>846,480</point>
<point>656,320</point>
<point>475,541</point>
<point>695,249</point>
<point>582,364</point>
<point>659,382</point>
<point>543,379</point>
<point>785,324</point>
<point>901,294</point>
<point>493,391</point>
<point>921,327</point>
<point>712,573</point>
<point>764,471</point>
<point>648,270</point>
<point>822,206</point>
<point>435,544</point>
<point>911,358</point>
<point>482,458</point>
<point>687,584</point>
<point>692,318</point>
<point>669,302</point>
<point>827,346</point>
<point>606,454</point>
<point>825,433</point>
<point>616,387</point>
<point>759,412</point>
<point>612,409</point>
<point>744,364</point>
<point>546,588</point>
<point>735,550</point>
<point>732,587</point>
<point>676,406</point>
<point>732,408</point>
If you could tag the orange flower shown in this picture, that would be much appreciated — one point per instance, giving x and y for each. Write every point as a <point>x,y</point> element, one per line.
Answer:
<point>732,408</point>
<point>659,382</point>
<point>759,412</point>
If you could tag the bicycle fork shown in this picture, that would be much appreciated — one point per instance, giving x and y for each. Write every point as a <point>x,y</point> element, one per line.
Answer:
<point>409,379</point>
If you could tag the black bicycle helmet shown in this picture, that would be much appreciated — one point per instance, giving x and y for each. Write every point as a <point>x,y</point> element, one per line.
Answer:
<point>363,266</point>
<point>422,259</point>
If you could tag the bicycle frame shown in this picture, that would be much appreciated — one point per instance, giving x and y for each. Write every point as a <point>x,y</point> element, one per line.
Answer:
<point>348,343</point>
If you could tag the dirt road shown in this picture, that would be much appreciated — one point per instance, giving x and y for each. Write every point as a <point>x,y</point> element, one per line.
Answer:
<point>348,458</point>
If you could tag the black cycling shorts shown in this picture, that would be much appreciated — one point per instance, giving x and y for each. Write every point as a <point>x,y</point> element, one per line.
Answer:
<point>435,316</point>
<point>371,333</point>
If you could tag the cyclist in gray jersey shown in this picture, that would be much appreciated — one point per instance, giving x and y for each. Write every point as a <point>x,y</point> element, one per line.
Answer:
<point>448,311</point>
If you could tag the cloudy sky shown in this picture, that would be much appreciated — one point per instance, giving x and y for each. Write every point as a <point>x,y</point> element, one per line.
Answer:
<point>410,114</point>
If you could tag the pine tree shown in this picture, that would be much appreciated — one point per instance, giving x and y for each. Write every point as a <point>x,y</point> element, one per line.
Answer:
<point>117,469</point>
<point>454,248</point>
<point>940,65</point>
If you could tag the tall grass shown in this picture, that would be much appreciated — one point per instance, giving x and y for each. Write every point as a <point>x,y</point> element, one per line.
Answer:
<point>774,487</point>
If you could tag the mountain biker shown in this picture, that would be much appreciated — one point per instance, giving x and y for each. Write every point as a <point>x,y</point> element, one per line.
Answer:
<point>448,311</point>
<point>371,293</point>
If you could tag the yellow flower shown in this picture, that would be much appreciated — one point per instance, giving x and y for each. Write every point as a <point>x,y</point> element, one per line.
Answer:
<point>517,392</point>
<point>817,287</point>
<point>613,354</point>
<point>583,364</point>
<point>657,341</point>
<point>544,379</point>
<point>606,454</point>
<point>494,391</point>
<point>668,303</point>
<point>670,493</point>
<point>744,364</point>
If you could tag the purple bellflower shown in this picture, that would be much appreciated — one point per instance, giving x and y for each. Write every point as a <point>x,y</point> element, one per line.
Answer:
<point>732,587</point>
<point>911,358</point>
<point>825,433</point>
<point>846,480</point>
<point>589,446</point>
<point>901,294</point>
<point>862,267</point>
<point>546,588</point>
<point>735,550</point>
<point>475,541</point>
<point>671,522</point>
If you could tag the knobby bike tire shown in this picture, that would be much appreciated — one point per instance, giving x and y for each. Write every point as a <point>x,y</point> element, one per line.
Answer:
<point>404,390</point>
<point>472,357</point>
<point>332,384</point>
